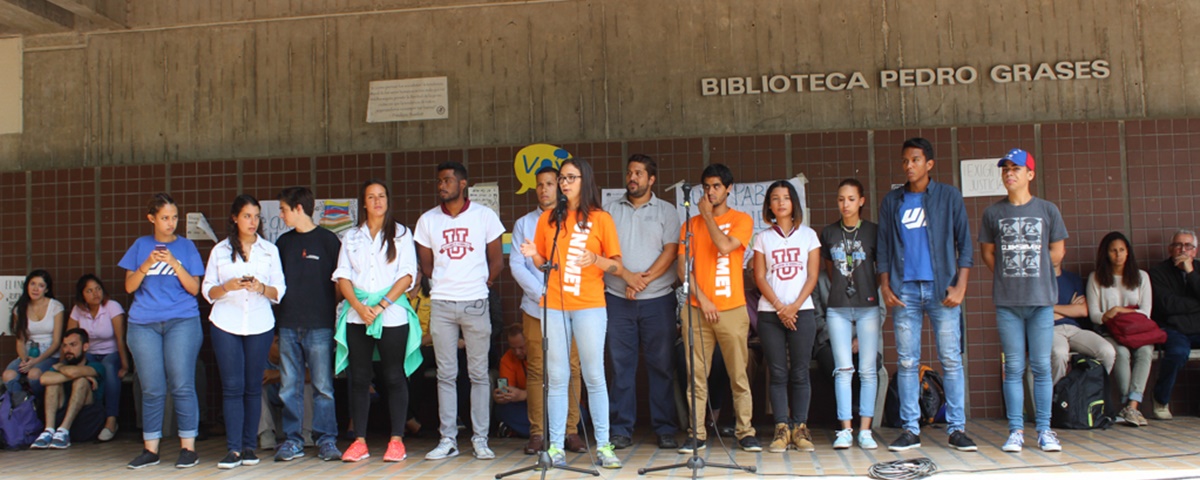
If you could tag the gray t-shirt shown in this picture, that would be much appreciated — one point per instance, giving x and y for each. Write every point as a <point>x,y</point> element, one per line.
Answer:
<point>853,257</point>
<point>644,232</point>
<point>1024,276</point>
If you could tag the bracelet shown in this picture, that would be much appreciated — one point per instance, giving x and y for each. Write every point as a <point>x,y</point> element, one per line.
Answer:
<point>223,289</point>
<point>264,290</point>
<point>388,300</point>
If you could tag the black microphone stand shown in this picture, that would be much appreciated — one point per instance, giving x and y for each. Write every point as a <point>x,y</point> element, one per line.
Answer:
<point>696,462</point>
<point>544,463</point>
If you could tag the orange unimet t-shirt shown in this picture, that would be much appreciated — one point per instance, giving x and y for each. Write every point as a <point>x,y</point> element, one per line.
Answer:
<point>581,288</point>
<point>718,276</point>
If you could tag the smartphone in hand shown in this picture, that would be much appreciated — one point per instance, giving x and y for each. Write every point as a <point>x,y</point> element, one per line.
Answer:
<point>502,384</point>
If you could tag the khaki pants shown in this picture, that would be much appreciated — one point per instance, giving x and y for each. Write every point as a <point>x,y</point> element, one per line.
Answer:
<point>731,333</point>
<point>533,379</point>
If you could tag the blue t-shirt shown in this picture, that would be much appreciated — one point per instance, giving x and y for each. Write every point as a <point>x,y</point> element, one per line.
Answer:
<point>161,297</point>
<point>1069,285</point>
<point>98,393</point>
<point>914,232</point>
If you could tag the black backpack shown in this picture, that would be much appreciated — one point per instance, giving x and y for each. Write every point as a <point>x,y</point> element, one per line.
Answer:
<point>1079,397</point>
<point>932,400</point>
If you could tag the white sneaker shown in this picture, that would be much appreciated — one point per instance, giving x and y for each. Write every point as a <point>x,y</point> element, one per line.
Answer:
<point>482,451</point>
<point>1016,441</point>
<point>446,448</point>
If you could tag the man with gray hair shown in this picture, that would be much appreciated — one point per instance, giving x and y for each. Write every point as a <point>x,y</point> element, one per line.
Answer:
<point>1175,283</point>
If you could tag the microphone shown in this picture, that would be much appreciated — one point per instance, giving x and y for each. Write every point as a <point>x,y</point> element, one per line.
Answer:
<point>687,194</point>
<point>560,211</point>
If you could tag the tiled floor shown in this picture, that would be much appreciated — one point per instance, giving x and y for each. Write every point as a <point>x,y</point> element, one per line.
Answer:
<point>1162,450</point>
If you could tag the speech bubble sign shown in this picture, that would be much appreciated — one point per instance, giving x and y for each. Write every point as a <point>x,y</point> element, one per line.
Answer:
<point>532,158</point>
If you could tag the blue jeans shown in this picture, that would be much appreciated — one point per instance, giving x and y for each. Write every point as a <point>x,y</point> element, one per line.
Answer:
<point>642,327</point>
<point>1174,358</point>
<point>844,325</point>
<point>588,328</point>
<point>165,354</point>
<point>242,360</point>
<point>112,382</point>
<point>1035,325</point>
<point>920,299</point>
<point>516,416</point>
<point>314,346</point>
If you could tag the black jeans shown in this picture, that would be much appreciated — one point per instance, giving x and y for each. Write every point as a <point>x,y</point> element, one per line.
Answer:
<point>391,347</point>
<point>788,354</point>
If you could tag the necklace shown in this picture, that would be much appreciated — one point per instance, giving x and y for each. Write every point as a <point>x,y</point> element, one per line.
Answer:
<point>850,230</point>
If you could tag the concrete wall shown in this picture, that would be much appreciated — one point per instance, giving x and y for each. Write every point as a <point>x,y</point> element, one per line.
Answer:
<point>236,80</point>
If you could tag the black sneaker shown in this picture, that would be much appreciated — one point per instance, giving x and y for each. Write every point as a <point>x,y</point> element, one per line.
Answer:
<point>146,459</point>
<point>667,441</point>
<point>750,443</point>
<point>692,445</point>
<point>621,441</point>
<point>187,459</point>
<point>248,457</point>
<point>906,441</point>
<point>962,442</point>
<point>231,460</point>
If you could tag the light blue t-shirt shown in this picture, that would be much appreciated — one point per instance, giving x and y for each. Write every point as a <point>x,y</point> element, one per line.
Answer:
<point>161,297</point>
<point>918,266</point>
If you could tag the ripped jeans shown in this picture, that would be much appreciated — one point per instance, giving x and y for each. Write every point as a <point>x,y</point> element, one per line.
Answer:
<point>920,299</point>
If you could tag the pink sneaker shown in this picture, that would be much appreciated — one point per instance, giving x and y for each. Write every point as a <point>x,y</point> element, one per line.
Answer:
<point>357,451</point>
<point>395,452</point>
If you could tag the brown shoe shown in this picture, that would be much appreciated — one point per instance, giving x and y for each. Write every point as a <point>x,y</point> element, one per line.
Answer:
<point>574,443</point>
<point>534,444</point>
<point>802,439</point>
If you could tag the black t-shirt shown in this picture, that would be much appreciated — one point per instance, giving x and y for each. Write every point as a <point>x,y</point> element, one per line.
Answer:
<point>309,260</point>
<point>853,256</point>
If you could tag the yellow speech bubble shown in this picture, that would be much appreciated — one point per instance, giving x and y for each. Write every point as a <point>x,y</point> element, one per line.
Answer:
<point>532,158</point>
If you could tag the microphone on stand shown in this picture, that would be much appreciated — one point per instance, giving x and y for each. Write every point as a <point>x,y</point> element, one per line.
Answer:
<point>560,211</point>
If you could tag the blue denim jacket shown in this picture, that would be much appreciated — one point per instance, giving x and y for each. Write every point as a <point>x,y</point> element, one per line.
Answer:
<point>949,236</point>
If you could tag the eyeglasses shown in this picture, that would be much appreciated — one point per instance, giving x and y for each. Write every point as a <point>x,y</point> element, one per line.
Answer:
<point>1187,247</point>
<point>568,179</point>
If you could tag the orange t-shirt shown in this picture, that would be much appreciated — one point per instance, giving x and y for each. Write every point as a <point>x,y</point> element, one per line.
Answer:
<point>581,288</point>
<point>513,369</point>
<point>719,276</point>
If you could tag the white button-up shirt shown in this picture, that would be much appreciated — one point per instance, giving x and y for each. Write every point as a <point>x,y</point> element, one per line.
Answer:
<point>243,312</point>
<point>363,261</point>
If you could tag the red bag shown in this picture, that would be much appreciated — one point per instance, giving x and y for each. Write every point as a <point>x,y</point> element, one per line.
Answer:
<point>1135,330</point>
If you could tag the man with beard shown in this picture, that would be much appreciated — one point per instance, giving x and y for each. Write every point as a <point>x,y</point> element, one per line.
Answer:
<point>78,384</point>
<point>641,304</point>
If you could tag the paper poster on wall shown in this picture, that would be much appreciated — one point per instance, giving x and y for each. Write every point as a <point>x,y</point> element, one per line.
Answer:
<point>337,215</point>
<point>408,99</point>
<point>981,178</point>
<point>10,291</point>
<point>745,197</point>
<point>486,194</point>
<point>531,159</point>
<point>198,227</point>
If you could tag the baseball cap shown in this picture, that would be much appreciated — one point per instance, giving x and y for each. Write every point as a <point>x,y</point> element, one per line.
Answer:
<point>1019,157</point>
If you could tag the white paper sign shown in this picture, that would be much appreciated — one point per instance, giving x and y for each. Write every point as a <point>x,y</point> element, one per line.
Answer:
<point>10,291</point>
<point>337,215</point>
<point>746,197</point>
<point>981,178</point>
<point>408,99</point>
<point>486,194</point>
<point>198,227</point>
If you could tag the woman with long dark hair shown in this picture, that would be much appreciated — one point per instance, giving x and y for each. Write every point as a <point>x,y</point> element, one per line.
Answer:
<point>37,323</point>
<point>585,249</point>
<point>787,260</point>
<point>1118,286</point>
<point>104,321</point>
<point>243,279</point>
<point>376,266</point>
<point>163,273</point>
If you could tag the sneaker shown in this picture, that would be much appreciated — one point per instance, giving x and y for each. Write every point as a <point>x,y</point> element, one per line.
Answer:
<point>356,451</point>
<point>1015,442</point>
<point>959,440</point>
<point>558,458</point>
<point>445,448</point>
<point>187,459</point>
<point>620,442</point>
<point>231,460</point>
<point>844,439</point>
<point>43,440</point>
<point>606,458</point>
<point>287,451</point>
<point>750,443</point>
<point>575,443</point>
<point>781,440</point>
<point>61,439</point>
<point>250,459</point>
<point>482,451</point>
<point>666,441</point>
<point>395,452</point>
<point>329,451</point>
<point>1161,411</point>
<point>692,445</point>
<point>1133,417</point>
<point>1048,440</point>
<point>802,438</point>
<point>866,441</point>
<point>107,435</point>
<point>906,441</point>
<point>145,459</point>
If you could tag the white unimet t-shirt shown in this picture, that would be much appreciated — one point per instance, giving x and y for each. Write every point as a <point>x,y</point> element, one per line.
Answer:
<point>787,263</point>
<point>459,244</point>
<point>363,261</point>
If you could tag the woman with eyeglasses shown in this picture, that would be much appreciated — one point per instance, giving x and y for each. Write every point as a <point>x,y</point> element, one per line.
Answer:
<point>852,315</point>
<point>786,260</point>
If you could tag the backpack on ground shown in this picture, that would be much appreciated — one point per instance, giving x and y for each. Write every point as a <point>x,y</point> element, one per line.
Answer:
<point>1079,397</point>
<point>932,400</point>
<point>19,422</point>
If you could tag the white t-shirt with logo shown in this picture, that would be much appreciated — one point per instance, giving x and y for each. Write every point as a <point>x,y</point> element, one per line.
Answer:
<point>459,244</point>
<point>786,258</point>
